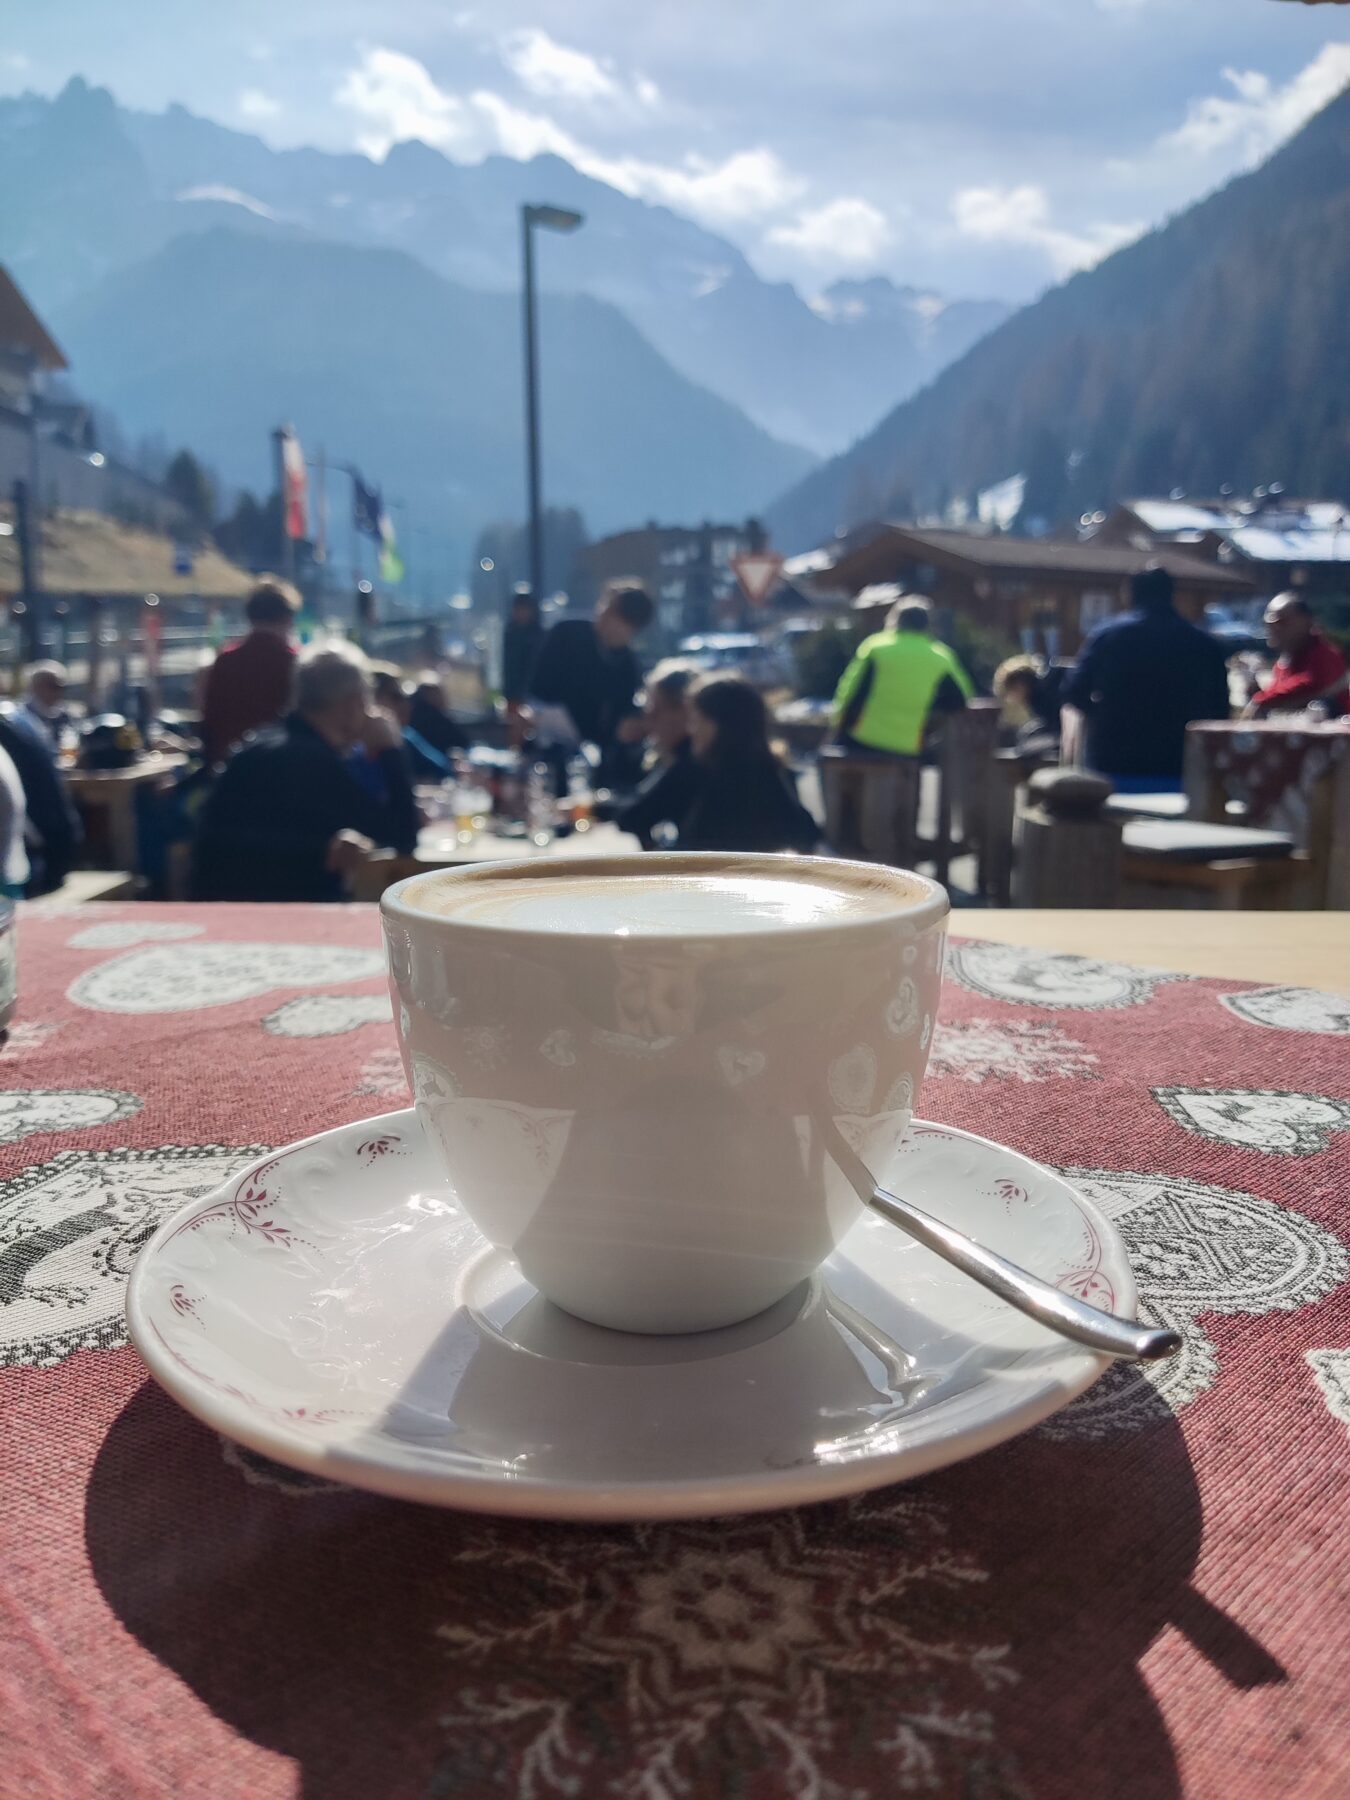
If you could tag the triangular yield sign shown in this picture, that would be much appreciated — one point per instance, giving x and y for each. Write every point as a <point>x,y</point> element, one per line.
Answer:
<point>758,572</point>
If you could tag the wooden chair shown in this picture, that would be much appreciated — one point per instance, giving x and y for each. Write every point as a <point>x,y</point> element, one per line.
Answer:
<point>871,805</point>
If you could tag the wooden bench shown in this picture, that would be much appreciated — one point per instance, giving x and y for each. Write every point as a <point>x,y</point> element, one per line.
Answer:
<point>1190,862</point>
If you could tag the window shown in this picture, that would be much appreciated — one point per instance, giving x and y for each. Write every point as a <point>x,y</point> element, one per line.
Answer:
<point>1093,608</point>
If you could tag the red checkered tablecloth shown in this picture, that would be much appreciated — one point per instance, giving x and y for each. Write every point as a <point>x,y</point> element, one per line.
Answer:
<point>1144,1597</point>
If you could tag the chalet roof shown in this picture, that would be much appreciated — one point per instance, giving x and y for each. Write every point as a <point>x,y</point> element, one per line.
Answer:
<point>1280,531</point>
<point>21,329</point>
<point>1027,558</point>
<point>90,553</point>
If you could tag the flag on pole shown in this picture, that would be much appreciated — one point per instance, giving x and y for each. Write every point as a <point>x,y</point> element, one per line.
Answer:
<point>295,485</point>
<point>391,563</point>
<point>371,517</point>
<point>366,507</point>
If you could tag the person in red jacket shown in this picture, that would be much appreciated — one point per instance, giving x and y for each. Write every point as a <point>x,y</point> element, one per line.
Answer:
<point>249,684</point>
<point>1308,666</point>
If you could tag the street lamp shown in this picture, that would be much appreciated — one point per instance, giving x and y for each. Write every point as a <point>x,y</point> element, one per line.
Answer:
<point>552,218</point>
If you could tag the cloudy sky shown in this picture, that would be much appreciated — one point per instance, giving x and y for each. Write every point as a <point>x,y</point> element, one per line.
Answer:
<point>980,146</point>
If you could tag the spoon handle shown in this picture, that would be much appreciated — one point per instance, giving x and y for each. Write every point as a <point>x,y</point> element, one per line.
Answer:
<point>1101,1331</point>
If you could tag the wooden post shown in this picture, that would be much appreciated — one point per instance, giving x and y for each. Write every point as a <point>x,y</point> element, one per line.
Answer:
<point>1068,849</point>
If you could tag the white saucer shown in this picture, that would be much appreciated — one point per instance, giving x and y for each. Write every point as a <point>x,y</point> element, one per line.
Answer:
<point>333,1308</point>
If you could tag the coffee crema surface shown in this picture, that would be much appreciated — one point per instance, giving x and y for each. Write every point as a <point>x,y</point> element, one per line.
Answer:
<point>675,903</point>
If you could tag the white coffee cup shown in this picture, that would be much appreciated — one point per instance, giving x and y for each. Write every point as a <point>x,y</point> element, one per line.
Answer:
<point>647,1076</point>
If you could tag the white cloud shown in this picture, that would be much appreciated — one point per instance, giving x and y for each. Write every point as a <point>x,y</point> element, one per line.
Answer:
<point>395,98</point>
<point>647,91</point>
<point>1256,115</point>
<point>553,71</point>
<point>846,230</point>
<point>751,184</point>
<point>254,104</point>
<point>16,60</point>
<point>515,132</point>
<point>1021,215</point>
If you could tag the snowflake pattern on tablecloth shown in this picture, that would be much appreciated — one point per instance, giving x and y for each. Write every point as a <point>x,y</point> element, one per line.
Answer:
<point>26,1035</point>
<point>327,1015</point>
<point>1009,1050</point>
<point>174,978</point>
<point>70,1230</point>
<point>1331,1371</point>
<point>33,1112</point>
<point>1195,1249</point>
<point>778,1642</point>
<point>1292,1009</point>
<point>1281,1124</point>
<point>120,934</point>
<point>382,1075</point>
<point>1041,978</point>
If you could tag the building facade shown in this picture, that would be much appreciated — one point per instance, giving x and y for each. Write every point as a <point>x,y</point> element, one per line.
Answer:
<point>1043,594</point>
<point>686,569</point>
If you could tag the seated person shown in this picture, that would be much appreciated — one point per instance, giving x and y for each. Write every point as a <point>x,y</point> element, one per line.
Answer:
<point>1027,720</point>
<point>665,716</point>
<point>54,831</point>
<point>1308,666</point>
<point>288,819</point>
<point>898,678</point>
<point>431,720</point>
<point>13,821</point>
<point>731,792</point>
<point>394,697</point>
<point>44,702</point>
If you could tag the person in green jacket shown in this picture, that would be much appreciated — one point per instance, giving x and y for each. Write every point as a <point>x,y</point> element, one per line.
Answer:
<point>898,677</point>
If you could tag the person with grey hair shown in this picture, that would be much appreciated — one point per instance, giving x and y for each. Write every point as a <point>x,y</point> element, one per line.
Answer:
<point>897,679</point>
<point>44,701</point>
<point>288,818</point>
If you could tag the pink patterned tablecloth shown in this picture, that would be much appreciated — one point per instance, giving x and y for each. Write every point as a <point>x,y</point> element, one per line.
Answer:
<point>1145,1597</point>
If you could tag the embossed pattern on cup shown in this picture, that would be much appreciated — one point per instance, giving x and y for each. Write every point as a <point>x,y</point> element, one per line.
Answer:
<point>645,1122</point>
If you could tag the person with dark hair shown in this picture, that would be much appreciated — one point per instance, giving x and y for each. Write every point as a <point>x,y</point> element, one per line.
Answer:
<point>584,685</point>
<point>1308,666</point>
<point>287,818</point>
<point>249,684</point>
<point>431,720</point>
<point>897,679</point>
<point>1139,681</point>
<point>522,635</point>
<point>731,793</point>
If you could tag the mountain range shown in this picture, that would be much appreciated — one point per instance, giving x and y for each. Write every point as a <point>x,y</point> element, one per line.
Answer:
<point>1211,351</point>
<point>97,186</point>
<point>219,334</point>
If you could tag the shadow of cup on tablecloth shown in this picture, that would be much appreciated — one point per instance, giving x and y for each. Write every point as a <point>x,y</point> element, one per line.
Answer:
<point>1090,1548</point>
<point>398,1650</point>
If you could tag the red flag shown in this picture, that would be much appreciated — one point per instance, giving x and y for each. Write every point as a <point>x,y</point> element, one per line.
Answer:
<point>295,486</point>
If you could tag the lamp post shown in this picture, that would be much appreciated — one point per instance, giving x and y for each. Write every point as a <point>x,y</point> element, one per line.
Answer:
<point>552,218</point>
